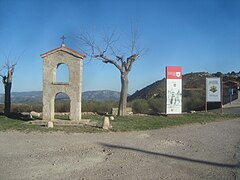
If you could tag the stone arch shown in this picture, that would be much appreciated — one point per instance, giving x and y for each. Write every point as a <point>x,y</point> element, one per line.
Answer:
<point>62,103</point>
<point>73,88</point>
<point>62,73</point>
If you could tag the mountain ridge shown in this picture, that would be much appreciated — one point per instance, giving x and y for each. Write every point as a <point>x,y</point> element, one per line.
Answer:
<point>193,80</point>
<point>36,96</point>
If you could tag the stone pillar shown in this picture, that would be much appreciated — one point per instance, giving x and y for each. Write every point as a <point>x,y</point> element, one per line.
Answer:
<point>52,109</point>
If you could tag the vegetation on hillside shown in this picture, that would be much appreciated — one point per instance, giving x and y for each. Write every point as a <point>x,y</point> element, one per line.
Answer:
<point>151,99</point>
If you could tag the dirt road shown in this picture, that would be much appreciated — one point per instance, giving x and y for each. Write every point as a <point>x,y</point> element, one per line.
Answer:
<point>198,151</point>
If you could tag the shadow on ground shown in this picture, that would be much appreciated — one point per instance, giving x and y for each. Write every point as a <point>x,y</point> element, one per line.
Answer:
<point>17,116</point>
<point>172,156</point>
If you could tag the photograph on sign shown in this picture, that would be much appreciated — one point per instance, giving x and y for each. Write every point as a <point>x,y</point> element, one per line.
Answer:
<point>174,96</point>
<point>173,90</point>
<point>213,90</point>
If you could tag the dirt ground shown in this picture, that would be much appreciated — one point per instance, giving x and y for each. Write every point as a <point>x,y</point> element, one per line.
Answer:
<point>197,151</point>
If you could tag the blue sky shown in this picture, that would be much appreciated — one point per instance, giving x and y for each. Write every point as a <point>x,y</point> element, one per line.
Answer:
<point>199,35</point>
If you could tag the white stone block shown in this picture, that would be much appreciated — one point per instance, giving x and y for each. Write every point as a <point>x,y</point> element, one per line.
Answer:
<point>34,114</point>
<point>106,123</point>
<point>50,124</point>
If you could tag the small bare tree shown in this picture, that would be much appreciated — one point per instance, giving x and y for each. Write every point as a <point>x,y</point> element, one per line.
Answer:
<point>108,52</point>
<point>7,82</point>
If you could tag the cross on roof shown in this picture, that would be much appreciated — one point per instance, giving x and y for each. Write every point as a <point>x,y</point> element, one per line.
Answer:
<point>63,38</point>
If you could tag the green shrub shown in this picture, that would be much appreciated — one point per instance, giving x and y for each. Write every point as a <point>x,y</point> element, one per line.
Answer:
<point>62,105</point>
<point>26,107</point>
<point>157,105</point>
<point>140,106</point>
<point>193,100</point>
<point>98,106</point>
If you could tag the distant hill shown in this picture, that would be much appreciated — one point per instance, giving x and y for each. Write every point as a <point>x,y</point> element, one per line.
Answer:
<point>190,81</point>
<point>36,96</point>
<point>155,90</point>
<point>101,95</point>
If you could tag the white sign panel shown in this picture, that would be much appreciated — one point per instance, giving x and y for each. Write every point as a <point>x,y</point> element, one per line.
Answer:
<point>213,90</point>
<point>174,90</point>
<point>174,96</point>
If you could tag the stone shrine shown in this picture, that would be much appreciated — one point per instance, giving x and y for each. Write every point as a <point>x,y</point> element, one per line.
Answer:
<point>51,61</point>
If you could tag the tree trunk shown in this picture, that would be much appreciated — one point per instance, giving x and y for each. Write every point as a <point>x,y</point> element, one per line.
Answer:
<point>123,96</point>
<point>7,105</point>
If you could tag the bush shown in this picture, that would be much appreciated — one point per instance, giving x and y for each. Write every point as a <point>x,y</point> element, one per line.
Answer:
<point>26,107</point>
<point>193,100</point>
<point>140,106</point>
<point>157,105</point>
<point>98,106</point>
<point>87,106</point>
<point>62,105</point>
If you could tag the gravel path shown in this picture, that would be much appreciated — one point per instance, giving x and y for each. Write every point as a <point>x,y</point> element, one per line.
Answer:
<point>197,151</point>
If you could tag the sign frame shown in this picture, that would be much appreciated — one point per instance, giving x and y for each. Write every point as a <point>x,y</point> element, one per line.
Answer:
<point>211,89</point>
<point>173,90</point>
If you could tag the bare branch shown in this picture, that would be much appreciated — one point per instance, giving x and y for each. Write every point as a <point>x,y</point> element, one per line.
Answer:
<point>115,51</point>
<point>4,80</point>
<point>7,66</point>
<point>2,68</point>
<point>108,40</point>
<point>12,69</point>
<point>134,36</point>
<point>130,61</point>
<point>108,44</point>
<point>121,58</point>
<point>105,59</point>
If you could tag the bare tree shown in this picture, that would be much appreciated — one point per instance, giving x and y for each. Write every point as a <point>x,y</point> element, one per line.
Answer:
<point>108,52</point>
<point>7,82</point>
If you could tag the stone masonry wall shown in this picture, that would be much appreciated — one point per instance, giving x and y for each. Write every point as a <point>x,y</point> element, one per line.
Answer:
<point>51,88</point>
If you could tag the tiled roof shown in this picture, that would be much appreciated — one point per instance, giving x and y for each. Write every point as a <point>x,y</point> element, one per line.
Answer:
<point>66,49</point>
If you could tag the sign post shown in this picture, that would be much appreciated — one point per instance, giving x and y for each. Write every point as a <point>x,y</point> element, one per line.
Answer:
<point>173,90</point>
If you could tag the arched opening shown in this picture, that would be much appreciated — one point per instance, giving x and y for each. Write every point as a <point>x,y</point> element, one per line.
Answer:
<point>62,73</point>
<point>62,106</point>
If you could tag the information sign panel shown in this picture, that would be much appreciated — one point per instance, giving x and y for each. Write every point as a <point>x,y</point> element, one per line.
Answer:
<point>213,90</point>
<point>174,90</point>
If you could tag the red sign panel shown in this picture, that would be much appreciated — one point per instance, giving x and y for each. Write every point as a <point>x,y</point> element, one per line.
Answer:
<point>174,72</point>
